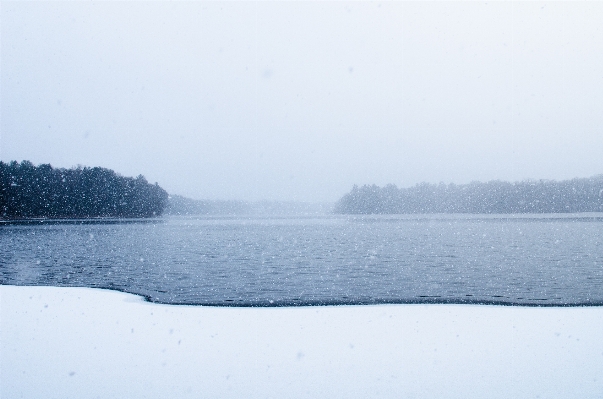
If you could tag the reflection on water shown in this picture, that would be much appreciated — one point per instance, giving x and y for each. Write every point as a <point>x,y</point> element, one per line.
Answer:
<point>528,260</point>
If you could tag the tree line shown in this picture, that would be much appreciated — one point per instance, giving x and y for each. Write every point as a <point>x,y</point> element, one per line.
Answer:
<point>29,191</point>
<point>494,197</point>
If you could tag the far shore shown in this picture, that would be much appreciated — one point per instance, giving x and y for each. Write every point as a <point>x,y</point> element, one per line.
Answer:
<point>102,219</point>
<point>76,220</point>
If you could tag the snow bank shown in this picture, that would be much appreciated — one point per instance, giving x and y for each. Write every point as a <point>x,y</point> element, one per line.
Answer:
<point>86,343</point>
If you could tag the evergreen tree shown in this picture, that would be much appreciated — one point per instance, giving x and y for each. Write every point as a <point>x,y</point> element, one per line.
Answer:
<point>577,195</point>
<point>27,191</point>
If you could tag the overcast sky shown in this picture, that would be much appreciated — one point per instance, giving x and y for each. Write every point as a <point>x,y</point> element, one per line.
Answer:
<point>301,100</point>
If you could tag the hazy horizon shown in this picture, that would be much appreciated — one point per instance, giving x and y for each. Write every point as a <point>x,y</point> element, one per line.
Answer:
<point>299,101</point>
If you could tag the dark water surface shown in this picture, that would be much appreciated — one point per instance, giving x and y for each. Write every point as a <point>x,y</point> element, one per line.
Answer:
<point>526,260</point>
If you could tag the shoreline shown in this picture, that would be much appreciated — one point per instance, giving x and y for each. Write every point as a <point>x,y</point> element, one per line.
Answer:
<point>86,342</point>
<point>420,300</point>
<point>82,221</point>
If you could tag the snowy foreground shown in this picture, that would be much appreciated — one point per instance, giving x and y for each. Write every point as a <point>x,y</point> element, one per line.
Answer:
<point>86,343</point>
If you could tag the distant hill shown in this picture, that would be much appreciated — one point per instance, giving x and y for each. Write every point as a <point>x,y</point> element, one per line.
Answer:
<point>28,191</point>
<point>179,205</point>
<point>544,196</point>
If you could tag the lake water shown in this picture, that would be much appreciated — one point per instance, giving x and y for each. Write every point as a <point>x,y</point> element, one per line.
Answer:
<point>277,261</point>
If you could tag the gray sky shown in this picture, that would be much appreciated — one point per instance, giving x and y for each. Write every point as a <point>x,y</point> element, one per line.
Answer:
<point>301,100</point>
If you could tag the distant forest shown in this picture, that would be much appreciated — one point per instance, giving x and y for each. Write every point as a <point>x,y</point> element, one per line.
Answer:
<point>182,206</point>
<point>544,196</point>
<point>28,191</point>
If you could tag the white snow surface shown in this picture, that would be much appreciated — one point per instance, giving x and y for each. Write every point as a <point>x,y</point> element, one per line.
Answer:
<point>87,343</point>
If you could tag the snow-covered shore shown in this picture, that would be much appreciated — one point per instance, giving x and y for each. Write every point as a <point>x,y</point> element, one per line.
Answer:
<point>86,343</point>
